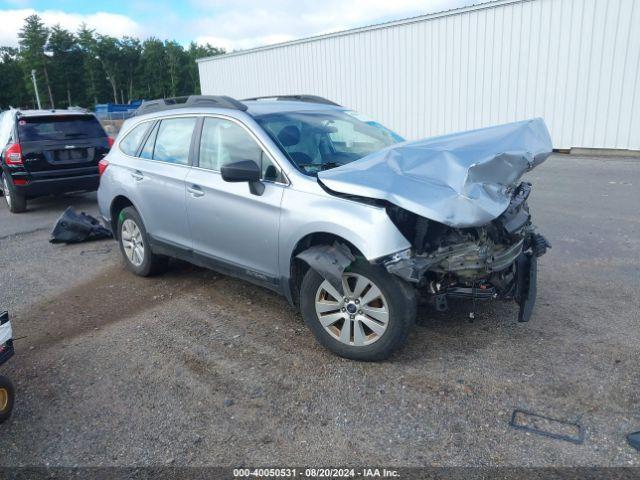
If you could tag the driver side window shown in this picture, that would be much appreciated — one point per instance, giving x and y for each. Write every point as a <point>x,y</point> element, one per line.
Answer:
<point>223,142</point>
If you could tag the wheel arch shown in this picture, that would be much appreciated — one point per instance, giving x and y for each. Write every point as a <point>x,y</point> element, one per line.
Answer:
<point>298,268</point>
<point>119,203</point>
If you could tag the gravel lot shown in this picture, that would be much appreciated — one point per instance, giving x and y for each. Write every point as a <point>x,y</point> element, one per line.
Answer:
<point>197,368</point>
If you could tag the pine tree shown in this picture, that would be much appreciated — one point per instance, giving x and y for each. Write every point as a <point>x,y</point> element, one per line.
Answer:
<point>87,68</point>
<point>33,39</point>
<point>65,62</point>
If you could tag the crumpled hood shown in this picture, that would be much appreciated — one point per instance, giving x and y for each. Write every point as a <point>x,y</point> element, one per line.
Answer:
<point>461,180</point>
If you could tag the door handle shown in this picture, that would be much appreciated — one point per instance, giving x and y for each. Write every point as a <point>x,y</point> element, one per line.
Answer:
<point>137,176</point>
<point>195,191</point>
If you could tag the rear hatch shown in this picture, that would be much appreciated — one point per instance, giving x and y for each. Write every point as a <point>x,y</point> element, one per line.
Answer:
<point>64,145</point>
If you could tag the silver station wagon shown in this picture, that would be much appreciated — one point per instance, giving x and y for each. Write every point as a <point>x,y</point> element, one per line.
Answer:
<point>348,221</point>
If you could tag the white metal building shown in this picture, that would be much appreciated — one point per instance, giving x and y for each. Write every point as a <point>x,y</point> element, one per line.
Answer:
<point>576,63</point>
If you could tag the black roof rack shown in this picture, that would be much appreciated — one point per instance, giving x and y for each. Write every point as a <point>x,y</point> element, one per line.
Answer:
<point>299,98</point>
<point>216,101</point>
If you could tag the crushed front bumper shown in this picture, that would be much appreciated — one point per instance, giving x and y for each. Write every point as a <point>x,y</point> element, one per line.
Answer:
<point>494,261</point>
<point>505,273</point>
<point>456,259</point>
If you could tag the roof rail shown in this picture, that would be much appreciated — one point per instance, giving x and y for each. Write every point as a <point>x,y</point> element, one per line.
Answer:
<point>299,98</point>
<point>216,101</point>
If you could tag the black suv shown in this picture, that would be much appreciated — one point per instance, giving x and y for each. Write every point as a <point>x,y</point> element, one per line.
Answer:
<point>44,152</point>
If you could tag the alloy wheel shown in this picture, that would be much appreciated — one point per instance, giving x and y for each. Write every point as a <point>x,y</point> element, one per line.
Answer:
<point>131,237</point>
<point>357,318</point>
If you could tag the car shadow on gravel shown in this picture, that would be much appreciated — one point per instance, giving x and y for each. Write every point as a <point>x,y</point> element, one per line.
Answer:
<point>112,295</point>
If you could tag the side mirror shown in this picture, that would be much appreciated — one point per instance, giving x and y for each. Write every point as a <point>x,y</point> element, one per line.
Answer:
<point>244,171</point>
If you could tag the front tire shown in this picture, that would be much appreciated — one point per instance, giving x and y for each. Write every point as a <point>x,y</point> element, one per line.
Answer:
<point>369,322</point>
<point>16,202</point>
<point>135,246</point>
<point>7,397</point>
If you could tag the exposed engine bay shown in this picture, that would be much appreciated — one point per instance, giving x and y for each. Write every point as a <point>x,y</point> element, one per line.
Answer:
<point>497,260</point>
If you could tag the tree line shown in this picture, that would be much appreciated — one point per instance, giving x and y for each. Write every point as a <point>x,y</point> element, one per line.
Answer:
<point>84,68</point>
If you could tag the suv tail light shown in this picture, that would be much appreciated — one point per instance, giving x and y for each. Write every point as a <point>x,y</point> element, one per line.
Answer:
<point>110,140</point>
<point>102,165</point>
<point>13,155</point>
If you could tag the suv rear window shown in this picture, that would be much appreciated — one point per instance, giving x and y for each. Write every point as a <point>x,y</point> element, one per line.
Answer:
<point>130,143</point>
<point>59,127</point>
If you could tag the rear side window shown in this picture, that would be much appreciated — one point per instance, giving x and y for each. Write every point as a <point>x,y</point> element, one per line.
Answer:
<point>130,143</point>
<point>62,128</point>
<point>173,140</point>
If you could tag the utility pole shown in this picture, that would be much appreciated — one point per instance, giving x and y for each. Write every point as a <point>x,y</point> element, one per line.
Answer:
<point>35,87</point>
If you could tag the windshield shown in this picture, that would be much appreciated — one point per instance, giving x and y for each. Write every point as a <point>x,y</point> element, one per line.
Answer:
<point>316,141</point>
<point>61,127</point>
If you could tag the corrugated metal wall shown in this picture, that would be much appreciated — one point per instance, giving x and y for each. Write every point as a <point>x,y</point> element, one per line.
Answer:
<point>576,63</point>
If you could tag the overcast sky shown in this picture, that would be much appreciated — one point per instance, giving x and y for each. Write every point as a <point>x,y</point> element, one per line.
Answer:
<point>232,24</point>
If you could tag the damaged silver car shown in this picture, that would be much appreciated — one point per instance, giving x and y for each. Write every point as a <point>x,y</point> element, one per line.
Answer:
<point>329,208</point>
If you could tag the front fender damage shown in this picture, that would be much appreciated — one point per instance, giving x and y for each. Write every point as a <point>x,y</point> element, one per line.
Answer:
<point>330,261</point>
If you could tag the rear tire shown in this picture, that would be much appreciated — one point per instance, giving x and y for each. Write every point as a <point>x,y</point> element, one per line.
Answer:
<point>16,202</point>
<point>135,246</point>
<point>7,397</point>
<point>380,324</point>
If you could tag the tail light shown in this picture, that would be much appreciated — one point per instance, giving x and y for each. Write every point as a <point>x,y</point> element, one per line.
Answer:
<point>110,140</point>
<point>102,165</point>
<point>13,155</point>
<point>20,181</point>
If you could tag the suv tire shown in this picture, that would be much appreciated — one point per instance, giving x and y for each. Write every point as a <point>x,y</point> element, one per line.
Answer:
<point>7,396</point>
<point>396,303</point>
<point>15,202</point>
<point>135,246</point>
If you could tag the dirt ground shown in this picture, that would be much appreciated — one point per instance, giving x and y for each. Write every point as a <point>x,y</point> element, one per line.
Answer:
<point>195,368</point>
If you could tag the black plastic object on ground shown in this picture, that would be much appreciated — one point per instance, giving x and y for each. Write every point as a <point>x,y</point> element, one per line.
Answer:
<point>634,440</point>
<point>549,427</point>
<point>74,227</point>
